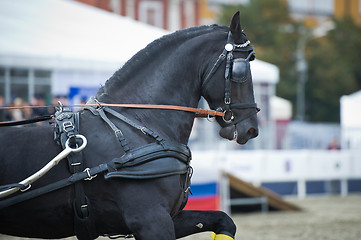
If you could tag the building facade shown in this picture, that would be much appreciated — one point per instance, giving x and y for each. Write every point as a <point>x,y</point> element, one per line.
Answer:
<point>316,12</point>
<point>167,14</point>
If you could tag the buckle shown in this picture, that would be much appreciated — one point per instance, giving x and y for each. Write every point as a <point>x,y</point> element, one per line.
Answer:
<point>67,125</point>
<point>90,177</point>
<point>99,105</point>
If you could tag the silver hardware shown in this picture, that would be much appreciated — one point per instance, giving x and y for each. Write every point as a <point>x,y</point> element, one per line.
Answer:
<point>116,236</point>
<point>63,154</point>
<point>62,116</point>
<point>243,44</point>
<point>229,47</point>
<point>143,130</point>
<point>231,119</point>
<point>117,132</point>
<point>67,125</point>
<point>90,177</point>
<point>26,189</point>
<point>199,225</point>
<point>97,102</point>
<point>61,106</point>
<point>235,134</point>
<point>211,118</point>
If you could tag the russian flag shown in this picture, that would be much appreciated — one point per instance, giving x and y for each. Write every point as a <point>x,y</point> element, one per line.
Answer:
<point>204,197</point>
<point>205,188</point>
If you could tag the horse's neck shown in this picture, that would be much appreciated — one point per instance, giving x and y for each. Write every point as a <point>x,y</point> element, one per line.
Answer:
<point>164,82</point>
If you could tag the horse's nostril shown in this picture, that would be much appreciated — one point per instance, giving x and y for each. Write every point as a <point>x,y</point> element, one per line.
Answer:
<point>252,132</point>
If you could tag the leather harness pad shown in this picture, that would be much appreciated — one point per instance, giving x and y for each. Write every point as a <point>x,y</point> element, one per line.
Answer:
<point>153,169</point>
<point>151,161</point>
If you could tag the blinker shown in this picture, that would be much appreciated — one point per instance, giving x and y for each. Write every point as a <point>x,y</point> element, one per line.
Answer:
<point>241,70</point>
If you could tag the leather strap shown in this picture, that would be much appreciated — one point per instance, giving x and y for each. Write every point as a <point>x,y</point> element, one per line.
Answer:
<point>199,111</point>
<point>28,121</point>
<point>67,126</point>
<point>135,157</point>
<point>53,186</point>
<point>118,133</point>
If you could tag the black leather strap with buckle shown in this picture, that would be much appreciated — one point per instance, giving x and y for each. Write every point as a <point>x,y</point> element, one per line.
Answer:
<point>67,126</point>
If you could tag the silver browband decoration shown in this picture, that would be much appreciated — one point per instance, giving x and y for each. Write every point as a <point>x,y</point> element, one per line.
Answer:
<point>242,45</point>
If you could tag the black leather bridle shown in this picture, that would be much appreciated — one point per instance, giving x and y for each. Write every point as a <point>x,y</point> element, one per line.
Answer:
<point>237,70</point>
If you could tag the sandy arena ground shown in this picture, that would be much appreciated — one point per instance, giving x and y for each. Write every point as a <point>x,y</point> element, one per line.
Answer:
<point>323,218</point>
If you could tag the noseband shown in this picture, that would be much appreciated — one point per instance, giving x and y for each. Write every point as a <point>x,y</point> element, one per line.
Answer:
<point>237,70</point>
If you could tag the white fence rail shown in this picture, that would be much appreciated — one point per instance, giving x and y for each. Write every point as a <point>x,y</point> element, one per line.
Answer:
<point>266,166</point>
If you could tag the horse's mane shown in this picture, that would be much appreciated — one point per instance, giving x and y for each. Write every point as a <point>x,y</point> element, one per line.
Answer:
<point>144,55</point>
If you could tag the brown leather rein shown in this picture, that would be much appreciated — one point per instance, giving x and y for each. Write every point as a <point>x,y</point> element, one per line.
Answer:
<point>200,113</point>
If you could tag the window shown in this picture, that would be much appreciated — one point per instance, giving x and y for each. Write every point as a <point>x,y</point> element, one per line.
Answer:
<point>151,12</point>
<point>2,82</point>
<point>24,83</point>
<point>19,84</point>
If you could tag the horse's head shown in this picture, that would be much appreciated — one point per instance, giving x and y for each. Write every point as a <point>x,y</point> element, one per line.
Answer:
<point>227,86</point>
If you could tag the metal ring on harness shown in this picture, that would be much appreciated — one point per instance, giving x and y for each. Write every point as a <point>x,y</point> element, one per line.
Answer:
<point>63,154</point>
<point>211,118</point>
<point>76,149</point>
<point>231,117</point>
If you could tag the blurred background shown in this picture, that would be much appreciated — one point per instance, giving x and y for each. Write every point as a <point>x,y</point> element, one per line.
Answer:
<point>307,80</point>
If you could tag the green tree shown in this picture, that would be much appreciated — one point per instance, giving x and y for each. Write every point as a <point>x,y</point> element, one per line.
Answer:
<point>333,60</point>
<point>271,31</point>
<point>334,70</point>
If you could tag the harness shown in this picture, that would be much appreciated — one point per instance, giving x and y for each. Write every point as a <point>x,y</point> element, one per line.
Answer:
<point>238,71</point>
<point>66,129</point>
<point>159,159</point>
<point>144,162</point>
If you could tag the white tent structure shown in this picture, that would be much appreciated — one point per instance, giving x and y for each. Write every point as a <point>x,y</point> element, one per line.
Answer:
<point>265,77</point>
<point>76,46</point>
<point>80,46</point>
<point>351,120</point>
<point>281,109</point>
<point>61,34</point>
<point>264,72</point>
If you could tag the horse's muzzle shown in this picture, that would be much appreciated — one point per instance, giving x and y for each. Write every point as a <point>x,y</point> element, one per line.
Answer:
<point>239,133</point>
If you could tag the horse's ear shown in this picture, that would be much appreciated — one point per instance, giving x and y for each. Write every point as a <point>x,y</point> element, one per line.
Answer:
<point>236,28</point>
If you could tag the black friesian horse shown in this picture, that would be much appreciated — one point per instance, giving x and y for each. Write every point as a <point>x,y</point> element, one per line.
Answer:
<point>209,61</point>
